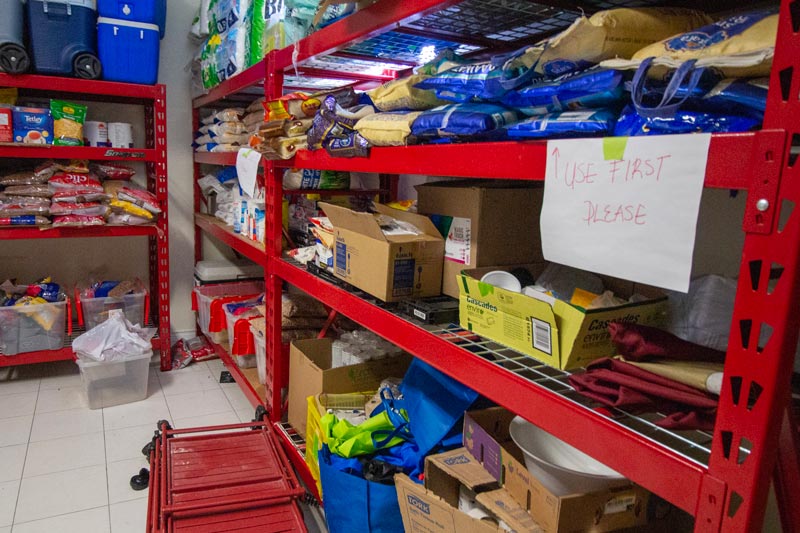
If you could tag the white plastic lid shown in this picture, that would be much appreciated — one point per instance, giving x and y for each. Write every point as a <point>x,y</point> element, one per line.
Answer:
<point>91,4</point>
<point>220,270</point>
<point>128,23</point>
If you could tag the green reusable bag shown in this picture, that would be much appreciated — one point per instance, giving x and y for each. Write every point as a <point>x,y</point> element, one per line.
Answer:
<point>384,430</point>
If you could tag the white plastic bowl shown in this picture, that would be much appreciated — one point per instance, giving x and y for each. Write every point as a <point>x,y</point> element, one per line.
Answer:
<point>560,467</point>
<point>504,280</point>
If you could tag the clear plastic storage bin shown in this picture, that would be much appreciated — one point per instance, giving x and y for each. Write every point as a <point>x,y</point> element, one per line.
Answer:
<point>31,328</point>
<point>114,383</point>
<point>207,300</point>
<point>94,311</point>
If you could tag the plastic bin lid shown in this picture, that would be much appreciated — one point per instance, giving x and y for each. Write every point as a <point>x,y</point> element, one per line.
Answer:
<point>219,270</point>
<point>128,23</point>
<point>91,4</point>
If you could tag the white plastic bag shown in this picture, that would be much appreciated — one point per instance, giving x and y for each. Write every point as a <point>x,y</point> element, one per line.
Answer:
<point>116,339</point>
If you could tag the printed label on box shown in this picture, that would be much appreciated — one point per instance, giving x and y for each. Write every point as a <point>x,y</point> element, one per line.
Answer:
<point>457,232</point>
<point>620,504</point>
<point>541,335</point>
<point>403,280</point>
<point>341,259</point>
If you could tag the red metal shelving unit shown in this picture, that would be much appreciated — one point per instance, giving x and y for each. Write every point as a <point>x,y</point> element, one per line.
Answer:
<point>153,154</point>
<point>721,478</point>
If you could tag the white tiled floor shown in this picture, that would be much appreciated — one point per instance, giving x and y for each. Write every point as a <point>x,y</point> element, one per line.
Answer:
<point>66,468</point>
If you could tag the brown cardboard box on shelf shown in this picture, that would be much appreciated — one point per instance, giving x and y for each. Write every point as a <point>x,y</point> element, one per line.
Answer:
<point>487,439</point>
<point>484,223</point>
<point>310,374</point>
<point>556,333</point>
<point>389,267</point>
<point>434,507</point>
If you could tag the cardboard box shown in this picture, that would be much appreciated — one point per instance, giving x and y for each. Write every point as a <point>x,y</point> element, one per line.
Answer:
<point>434,507</point>
<point>560,335</point>
<point>484,223</point>
<point>390,268</point>
<point>487,439</point>
<point>310,374</point>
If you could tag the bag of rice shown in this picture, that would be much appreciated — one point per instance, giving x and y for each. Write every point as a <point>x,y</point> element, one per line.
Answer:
<point>402,94</point>
<point>387,129</point>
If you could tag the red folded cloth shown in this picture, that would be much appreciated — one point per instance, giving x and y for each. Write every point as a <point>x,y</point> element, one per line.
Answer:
<point>619,384</point>
<point>638,343</point>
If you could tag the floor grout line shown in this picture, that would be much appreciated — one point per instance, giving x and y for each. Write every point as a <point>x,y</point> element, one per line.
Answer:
<point>25,460</point>
<point>58,516</point>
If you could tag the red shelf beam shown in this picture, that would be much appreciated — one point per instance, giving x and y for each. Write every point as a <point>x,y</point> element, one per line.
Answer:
<point>244,80</point>
<point>727,168</point>
<point>655,467</point>
<point>47,232</point>
<point>226,159</point>
<point>46,356</point>
<point>47,151</point>
<point>115,90</point>
<point>251,249</point>
<point>298,461</point>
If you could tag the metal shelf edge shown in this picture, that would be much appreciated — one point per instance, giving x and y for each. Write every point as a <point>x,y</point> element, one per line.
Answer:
<point>655,467</point>
<point>251,249</point>
<point>115,90</point>
<point>247,78</point>
<point>47,232</point>
<point>148,155</point>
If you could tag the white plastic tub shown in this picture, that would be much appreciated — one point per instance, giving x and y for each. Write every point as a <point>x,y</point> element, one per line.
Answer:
<point>114,383</point>
<point>560,467</point>
<point>261,355</point>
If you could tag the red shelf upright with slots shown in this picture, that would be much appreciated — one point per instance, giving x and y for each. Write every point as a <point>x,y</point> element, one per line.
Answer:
<point>722,480</point>
<point>153,154</point>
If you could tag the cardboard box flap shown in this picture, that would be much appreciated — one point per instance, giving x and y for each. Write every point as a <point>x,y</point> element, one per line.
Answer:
<point>343,218</point>
<point>502,505</point>
<point>460,465</point>
<point>422,222</point>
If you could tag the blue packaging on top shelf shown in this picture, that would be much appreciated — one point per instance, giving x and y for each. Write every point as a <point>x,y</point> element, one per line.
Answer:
<point>587,123</point>
<point>631,123</point>
<point>149,11</point>
<point>128,50</point>
<point>462,120</point>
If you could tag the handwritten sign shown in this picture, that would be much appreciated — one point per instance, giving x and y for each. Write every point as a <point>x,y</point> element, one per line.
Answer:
<point>626,207</point>
<point>247,163</point>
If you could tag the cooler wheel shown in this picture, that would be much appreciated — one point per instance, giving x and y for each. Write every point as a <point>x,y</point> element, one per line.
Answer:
<point>87,67</point>
<point>14,59</point>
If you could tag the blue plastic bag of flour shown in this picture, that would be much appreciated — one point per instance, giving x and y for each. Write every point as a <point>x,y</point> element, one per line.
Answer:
<point>631,123</point>
<point>588,123</point>
<point>462,120</point>
<point>589,89</point>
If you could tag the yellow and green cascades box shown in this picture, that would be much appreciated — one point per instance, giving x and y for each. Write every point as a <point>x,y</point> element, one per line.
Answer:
<point>560,335</point>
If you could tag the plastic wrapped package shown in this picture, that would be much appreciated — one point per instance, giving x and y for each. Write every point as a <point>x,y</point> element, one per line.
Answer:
<point>23,200</point>
<point>296,178</point>
<point>224,138</point>
<point>282,147</point>
<point>24,177</point>
<point>230,114</point>
<point>212,147</point>
<point>121,206</point>
<point>40,191</point>
<point>28,220</point>
<point>387,129</point>
<point>297,126</point>
<point>222,128</point>
<point>86,209</point>
<point>402,94</point>
<point>18,210</point>
<point>139,197</point>
<point>592,122</point>
<point>112,171</point>
<point>116,339</point>
<point>68,119</point>
<point>65,180</point>
<point>484,80</point>
<point>462,120</point>
<point>80,195</point>
<point>632,123</point>
<point>77,221</point>
<point>127,219</point>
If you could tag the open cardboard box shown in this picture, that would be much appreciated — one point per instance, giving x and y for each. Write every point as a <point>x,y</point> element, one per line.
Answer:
<point>487,439</point>
<point>560,335</point>
<point>389,267</point>
<point>434,507</point>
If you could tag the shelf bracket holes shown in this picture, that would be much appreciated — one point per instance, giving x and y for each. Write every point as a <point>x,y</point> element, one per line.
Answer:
<point>775,274</point>
<point>786,76</point>
<point>727,440</point>
<point>755,394</point>
<point>755,273</point>
<point>794,11</point>
<point>736,389</point>
<point>744,450</point>
<point>794,149</point>
<point>787,207</point>
<point>745,326</point>
<point>765,334</point>
<point>734,503</point>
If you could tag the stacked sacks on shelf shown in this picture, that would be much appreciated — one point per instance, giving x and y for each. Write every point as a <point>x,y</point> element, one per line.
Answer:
<point>334,130</point>
<point>222,131</point>
<point>25,197</point>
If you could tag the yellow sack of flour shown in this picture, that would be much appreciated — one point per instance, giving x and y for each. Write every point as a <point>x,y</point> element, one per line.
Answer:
<point>401,94</point>
<point>613,33</point>
<point>387,129</point>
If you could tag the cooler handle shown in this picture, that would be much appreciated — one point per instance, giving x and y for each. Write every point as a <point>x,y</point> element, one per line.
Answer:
<point>47,10</point>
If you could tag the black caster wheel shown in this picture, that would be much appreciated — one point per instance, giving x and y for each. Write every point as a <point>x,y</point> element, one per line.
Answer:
<point>141,480</point>
<point>14,59</point>
<point>151,446</point>
<point>87,67</point>
<point>261,413</point>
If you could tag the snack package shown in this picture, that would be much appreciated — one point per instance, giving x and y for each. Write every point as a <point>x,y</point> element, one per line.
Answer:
<point>140,197</point>
<point>77,221</point>
<point>121,206</point>
<point>282,147</point>
<point>28,220</point>
<point>75,166</point>
<point>80,196</point>
<point>68,122</point>
<point>64,180</point>
<point>33,125</point>
<point>112,171</point>
<point>76,208</point>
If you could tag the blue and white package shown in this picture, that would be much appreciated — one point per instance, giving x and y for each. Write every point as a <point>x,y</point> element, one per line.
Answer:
<point>589,123</point>
<point>748,96</point>
<point>461,120</point>
<point>632,124</point>
<point>589,89</point>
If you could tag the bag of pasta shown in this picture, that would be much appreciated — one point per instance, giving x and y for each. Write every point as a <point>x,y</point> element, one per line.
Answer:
<point>68,122</point>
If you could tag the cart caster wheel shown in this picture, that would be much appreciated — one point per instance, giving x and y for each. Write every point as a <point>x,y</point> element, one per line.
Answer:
<point>150,446</point>
<point>261,413</point>
<point>14,59</point>
<point>162,423</point>
<point>87,67</point>
<point>141,480</point>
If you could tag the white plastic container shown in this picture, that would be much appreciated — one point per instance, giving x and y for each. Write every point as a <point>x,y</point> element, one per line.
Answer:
<point>115,383</point>
<point>206,294</point>
<point>223,270</point>
<point>560,467</point>
<point>94,311</point>
<point>261,355</point>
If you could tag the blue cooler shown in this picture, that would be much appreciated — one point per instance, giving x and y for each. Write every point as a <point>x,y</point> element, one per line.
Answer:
<point>14,58</point>
<point>63,38</point>
<point>128,50</point>
<point>149,11</point>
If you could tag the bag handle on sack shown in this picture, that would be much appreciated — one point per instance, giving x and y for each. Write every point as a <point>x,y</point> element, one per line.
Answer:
<point>687,72</point>
<point>402,430</point>
<point>503,60</point>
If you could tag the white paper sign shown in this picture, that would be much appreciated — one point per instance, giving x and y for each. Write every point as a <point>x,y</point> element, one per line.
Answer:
<point>626,207</point>
<point>247,163</point>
